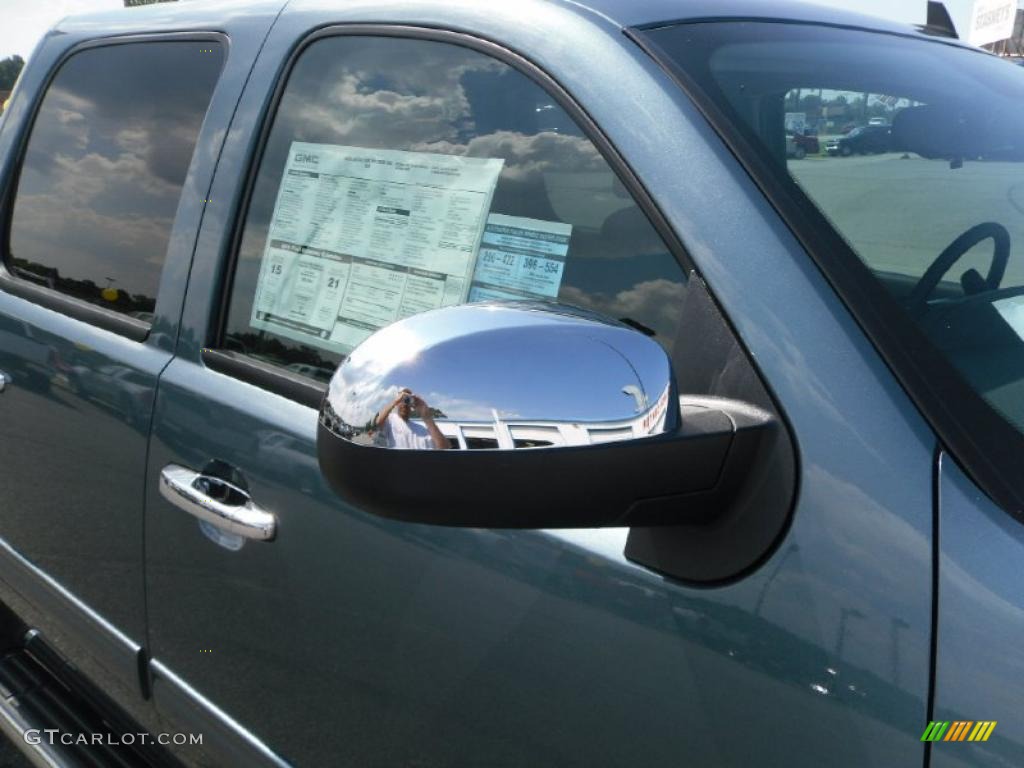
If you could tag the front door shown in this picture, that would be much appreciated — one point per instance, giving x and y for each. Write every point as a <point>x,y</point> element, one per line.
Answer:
<point>350,639</point>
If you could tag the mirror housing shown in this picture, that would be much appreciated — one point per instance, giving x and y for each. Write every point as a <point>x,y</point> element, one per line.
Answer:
<point>620,447</point>
<point>501,376</point>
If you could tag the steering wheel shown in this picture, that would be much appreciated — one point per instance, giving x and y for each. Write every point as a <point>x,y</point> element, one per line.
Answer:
<point>917,302</point>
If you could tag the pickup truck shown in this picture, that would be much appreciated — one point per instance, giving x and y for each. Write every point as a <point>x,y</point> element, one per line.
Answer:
<point>448,383</point>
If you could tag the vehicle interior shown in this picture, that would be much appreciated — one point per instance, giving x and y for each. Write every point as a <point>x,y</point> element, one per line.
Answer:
<point>937,217</point>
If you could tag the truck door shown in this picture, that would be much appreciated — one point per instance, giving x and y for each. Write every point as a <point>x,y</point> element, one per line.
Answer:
<point>313,632</point>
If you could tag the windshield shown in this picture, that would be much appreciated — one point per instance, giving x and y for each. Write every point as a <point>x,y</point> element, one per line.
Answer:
<point>930,197</point>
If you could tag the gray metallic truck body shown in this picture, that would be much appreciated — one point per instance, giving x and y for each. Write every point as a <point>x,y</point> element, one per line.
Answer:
<point>358,640</point>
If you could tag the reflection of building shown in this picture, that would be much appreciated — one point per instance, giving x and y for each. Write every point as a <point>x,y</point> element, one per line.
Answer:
<point>509,432</point>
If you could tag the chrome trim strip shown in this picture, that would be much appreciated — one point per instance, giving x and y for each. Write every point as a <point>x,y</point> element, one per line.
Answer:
<point>74,629</point>
<point>16,558</point>
<point>208,710</point>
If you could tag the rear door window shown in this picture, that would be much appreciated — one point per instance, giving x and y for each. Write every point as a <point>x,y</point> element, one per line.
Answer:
<point>103,170</point>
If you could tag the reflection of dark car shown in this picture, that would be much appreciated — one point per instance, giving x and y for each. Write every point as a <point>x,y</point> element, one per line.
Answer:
<point>115,386</point>
<point>24,355</point>
<point>866,140</point>
<point>800,145</point>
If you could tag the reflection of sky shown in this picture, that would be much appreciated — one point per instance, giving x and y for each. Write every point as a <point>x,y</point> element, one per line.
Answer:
<point>531,364</point>
<point>442,98</point>
<point>108,155</point>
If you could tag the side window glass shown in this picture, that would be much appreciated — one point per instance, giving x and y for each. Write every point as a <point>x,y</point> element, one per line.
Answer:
<point>402,175</point>
<point>104,167</point>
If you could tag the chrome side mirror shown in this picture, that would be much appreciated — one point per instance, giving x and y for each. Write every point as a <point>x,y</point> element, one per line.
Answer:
<point>577,414</point>
<point>501,376</point>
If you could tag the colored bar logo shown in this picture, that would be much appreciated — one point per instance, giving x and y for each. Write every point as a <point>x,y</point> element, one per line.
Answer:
<point>958,730</point>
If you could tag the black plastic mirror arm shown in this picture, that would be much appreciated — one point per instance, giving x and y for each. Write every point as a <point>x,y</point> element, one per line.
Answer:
<point>753,503</point>
<point>671,479</point>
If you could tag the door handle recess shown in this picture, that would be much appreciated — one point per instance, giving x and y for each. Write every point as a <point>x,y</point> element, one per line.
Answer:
<point>216,501</point>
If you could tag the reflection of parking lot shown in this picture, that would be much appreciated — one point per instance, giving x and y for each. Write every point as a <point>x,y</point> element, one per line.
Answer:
<point>902,211</point>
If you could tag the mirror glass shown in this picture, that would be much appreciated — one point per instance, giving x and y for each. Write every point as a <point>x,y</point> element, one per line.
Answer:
<point>502,375</point>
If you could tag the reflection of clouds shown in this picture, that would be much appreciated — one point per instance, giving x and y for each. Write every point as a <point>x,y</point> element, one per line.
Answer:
<point>391,117</point>
<point>387,118</point>
<point>62,123</point>
<point>446,100</point>
<point>423,106</point>
<point>103,172</point>
<point>391,347</point>
<point>528,156</point>
<point>94,236</point>
<point>422,98</point>
<point>148,150</point>
<point>464,409</point>
<point>133,140</point>
<point>360,387</point>
<point>654,303</point>
<point>376,372</point>
<point>96,179</point>
<point>354,397</point>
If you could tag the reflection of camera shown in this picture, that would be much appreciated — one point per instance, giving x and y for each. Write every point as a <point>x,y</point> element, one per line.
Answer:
<point>407,400</point>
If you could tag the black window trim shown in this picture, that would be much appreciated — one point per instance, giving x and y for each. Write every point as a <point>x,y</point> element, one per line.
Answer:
<point>274,378</point>
<point>79,309</point>
<point>928,379</point>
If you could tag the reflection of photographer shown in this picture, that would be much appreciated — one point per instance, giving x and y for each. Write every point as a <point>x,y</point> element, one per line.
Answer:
<point>399,432</point>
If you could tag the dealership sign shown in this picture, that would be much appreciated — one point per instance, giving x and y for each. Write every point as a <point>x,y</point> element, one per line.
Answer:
<point>991,21</point>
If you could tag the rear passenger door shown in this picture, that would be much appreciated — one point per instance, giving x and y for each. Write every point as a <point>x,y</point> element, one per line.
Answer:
<point>94,178</point>
<point>396,640</point>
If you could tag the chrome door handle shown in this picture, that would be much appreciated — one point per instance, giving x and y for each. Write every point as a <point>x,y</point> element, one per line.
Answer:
<point>216,501</point>
<point>4,381</point>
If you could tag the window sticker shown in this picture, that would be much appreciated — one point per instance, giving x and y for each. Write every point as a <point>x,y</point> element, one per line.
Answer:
<point>520,258</point>
<point>360,238</point>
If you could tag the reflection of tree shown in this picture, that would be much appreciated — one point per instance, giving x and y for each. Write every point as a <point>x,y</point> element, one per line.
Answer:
<point>86,290</point>
<point>10,68</point>
<point>816,107</point>
<point>330,419</point>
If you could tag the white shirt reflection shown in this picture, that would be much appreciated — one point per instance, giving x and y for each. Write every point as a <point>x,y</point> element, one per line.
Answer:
<point>399,433</point>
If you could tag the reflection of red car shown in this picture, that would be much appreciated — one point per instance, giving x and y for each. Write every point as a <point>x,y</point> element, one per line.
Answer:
<point>799,145</point>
